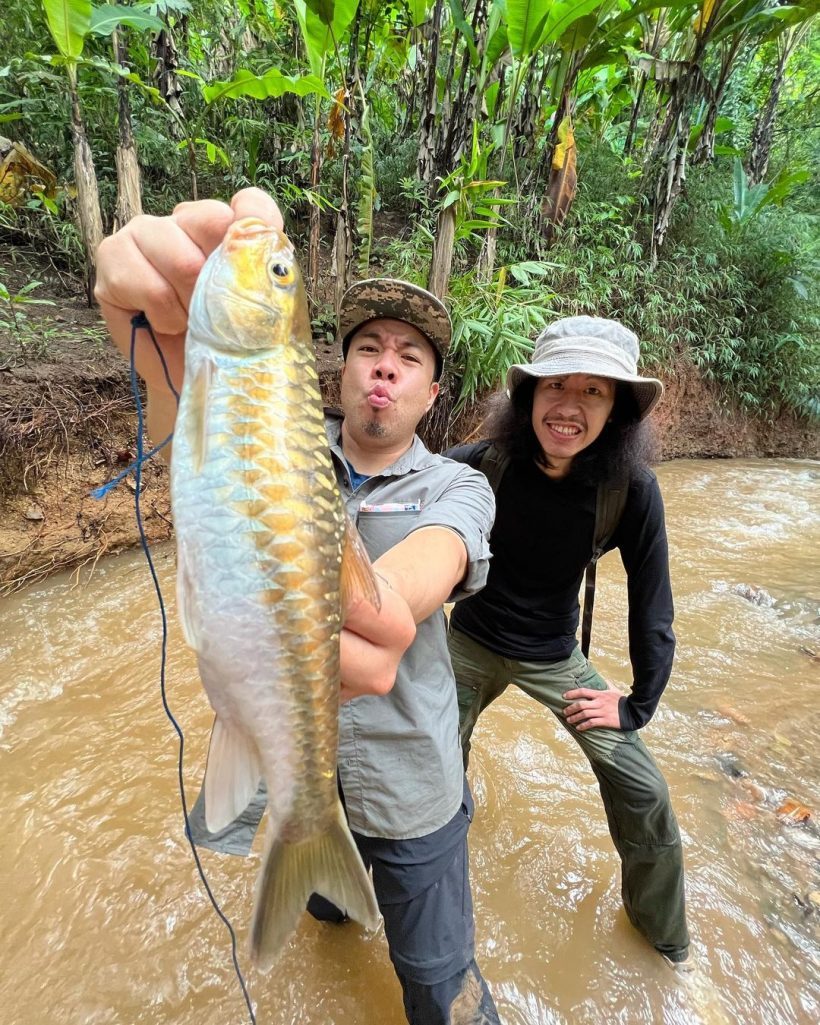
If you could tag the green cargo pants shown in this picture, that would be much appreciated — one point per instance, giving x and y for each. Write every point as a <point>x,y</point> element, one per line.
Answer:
<point>635,795</point>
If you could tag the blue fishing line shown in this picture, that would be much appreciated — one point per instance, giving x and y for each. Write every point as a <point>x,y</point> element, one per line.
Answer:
<point>137,322</point>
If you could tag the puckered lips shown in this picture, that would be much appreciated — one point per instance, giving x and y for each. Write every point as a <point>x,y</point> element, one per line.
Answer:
<point>379,397</point>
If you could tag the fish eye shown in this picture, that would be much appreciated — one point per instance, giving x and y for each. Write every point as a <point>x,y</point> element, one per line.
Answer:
<point>281,272</point>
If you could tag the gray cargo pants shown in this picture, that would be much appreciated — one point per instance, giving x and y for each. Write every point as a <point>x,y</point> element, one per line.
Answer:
<point>635,795</point>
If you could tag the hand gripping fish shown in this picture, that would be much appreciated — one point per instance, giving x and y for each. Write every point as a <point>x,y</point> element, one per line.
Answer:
<point>267,561</point>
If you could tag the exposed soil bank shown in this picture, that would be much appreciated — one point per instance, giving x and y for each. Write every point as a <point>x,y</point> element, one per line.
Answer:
<point>67,425</point>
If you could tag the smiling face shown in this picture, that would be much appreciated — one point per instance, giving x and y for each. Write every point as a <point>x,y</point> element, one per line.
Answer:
<point>387,382</point>
<point>569,411</point>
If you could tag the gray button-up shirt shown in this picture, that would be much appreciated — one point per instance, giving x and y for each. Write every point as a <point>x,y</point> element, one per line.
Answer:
<point>399,755</point>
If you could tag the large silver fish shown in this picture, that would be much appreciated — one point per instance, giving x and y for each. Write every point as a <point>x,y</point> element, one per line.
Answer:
<point>266,561</point>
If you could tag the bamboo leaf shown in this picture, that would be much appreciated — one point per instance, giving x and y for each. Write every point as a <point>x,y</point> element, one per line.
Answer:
<point>69,22</point>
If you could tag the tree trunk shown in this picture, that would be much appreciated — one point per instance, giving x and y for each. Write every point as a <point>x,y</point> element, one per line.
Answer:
<point>763,130</point>
<point>668,158</point>
<point>88,193</point>
<point>343,242</point>
<point>456,125</point>
<point>129,193</point>
<point>705,149</point>
<point>633,121</point>
<point>485,265</point>
<point>315,213</point>
<point>427,128</point>
<point>442,261</point>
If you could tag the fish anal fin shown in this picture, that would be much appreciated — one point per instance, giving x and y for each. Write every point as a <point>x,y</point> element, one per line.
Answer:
<point>199,398</point>
<point>358,579</point>
<point>328,863</point>
<point>232,775</point>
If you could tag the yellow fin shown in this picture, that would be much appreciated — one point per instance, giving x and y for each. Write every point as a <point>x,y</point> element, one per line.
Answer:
<point>198,398</point>
<point>358,579</point>
<point>185,598</point>
<point>328,863</point>
<point>232,775</point>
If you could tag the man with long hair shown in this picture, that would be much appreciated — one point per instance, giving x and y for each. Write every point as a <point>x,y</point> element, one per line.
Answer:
<point>573,421</point>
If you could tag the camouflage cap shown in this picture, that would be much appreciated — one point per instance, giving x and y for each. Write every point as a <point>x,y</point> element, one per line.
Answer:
<point>396,300</point>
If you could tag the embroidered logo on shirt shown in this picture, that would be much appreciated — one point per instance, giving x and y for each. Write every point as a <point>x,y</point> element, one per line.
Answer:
<point>390,507</point>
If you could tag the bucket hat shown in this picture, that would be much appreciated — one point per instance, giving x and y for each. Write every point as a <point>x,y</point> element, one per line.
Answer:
<point>589,345</point>
<point>397,300</point>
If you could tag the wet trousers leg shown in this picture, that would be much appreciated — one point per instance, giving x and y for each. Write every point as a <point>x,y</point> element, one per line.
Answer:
<point>635,795</point>
<point>423,889</point>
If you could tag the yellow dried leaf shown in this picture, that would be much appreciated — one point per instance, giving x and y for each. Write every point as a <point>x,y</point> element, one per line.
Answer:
<point>566,141</point>
<point>21,173</point>
<point>701,21</point>
<point>563,181</point>
<point>336,121</point>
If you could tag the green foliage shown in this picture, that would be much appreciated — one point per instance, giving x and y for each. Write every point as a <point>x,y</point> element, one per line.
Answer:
<point>750,201</point>
<point>744,307</point>
<point>13,318</point>
<point>494,324</point>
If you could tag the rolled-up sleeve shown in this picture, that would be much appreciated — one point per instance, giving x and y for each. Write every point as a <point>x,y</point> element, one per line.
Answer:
<point>467,507</point>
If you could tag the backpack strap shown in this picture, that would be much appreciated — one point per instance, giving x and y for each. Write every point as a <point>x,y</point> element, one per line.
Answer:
<point>609,506</point>
<point>493,465</point>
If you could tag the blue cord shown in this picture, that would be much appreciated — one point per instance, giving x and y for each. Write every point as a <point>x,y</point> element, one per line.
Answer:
<point>141,321</point>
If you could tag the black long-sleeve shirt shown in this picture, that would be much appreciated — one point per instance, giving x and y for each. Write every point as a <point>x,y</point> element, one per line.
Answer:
<point>541,543</point>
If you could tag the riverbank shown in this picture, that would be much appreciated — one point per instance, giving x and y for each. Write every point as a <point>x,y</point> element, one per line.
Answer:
<point>67,425</point>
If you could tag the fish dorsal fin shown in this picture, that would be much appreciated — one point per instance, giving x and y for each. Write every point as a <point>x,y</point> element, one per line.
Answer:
<point>199,395</point>
<point>358,579</point>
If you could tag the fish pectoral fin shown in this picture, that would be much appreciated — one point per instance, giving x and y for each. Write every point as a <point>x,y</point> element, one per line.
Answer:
<point>199,396</point>
<point>232,775</point>
<point>186,598</point>
<point>357,579</point>
<point>329,864</point>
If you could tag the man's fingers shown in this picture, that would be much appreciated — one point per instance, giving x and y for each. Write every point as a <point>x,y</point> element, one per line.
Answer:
<point>254,202</point>
<point>176,260</point>
<point>204,221</point>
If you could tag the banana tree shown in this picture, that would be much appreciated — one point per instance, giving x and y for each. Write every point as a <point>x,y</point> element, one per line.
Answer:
<point>323,24</point>
<point>70,22</point>
<point>740,23</point>
<point>763,130</point>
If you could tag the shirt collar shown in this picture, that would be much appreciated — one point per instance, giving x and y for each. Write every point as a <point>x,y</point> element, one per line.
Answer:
<point>415,458</point>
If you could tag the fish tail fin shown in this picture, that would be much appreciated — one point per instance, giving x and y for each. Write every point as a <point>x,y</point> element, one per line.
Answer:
<point>232,775</point>
<point>328,864</point>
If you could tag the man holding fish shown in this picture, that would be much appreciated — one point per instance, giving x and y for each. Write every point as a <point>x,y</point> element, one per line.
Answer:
<point>250,478</point>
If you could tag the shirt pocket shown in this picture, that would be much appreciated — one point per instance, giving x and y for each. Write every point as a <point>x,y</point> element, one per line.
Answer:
<point>382,530</point>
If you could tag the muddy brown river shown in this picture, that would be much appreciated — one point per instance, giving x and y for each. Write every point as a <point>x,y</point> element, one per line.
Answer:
<point>103,917</point>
